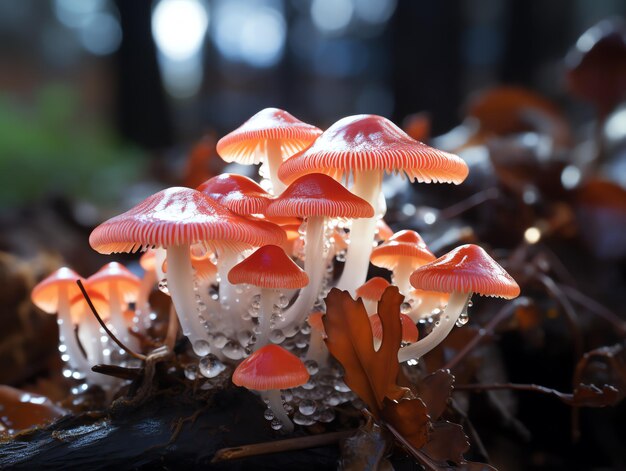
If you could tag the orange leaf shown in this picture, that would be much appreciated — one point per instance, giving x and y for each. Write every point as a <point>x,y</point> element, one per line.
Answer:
<point>370,374</point>
<point>410,419</point>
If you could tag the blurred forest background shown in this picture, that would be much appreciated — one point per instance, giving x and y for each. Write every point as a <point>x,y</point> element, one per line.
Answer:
<point>94,92</point>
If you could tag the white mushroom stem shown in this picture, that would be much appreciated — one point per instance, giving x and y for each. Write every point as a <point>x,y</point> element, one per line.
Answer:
<point>67,337</point>
<point>317,348</point>
<point>180,284</point>
<point>275,402</point>
<point>232,302</point>
<point>456,306</point>
<point>274,158</point>
<point>367,185</point>
<point>315,268</point>
<point>91,339</point>
<point>143,304</point>
<point>116,317</point>
<point>401,274</point>
<point>269,297</point>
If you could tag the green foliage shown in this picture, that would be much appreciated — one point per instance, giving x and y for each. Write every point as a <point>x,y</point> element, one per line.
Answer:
<point>51,147</point>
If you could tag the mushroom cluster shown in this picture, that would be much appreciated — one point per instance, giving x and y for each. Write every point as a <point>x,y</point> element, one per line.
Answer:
<point>248,265</point>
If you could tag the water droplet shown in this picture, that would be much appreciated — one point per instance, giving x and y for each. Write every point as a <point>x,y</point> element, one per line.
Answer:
<point>305,329</point>
<point>219,340</point>
<point>405,308</point>
<point>283,301</point>
<point>341,256</point>
<point>277,336</point>
<point>301,341</point>
<point>341,386</point>
<point>245,337</point>
<point>201,348</point>
<point>163,286</point>
<point>268,414</point>
<point>302,419</point>
<point>233,350</point>
<point>307,407</point>
<point>311,367</point>
<point>326,416</point>
<point>287,395</point>
<point>191,371</point>
<point>462,320</point>
<point>210,366</point>
<point>276,424</point>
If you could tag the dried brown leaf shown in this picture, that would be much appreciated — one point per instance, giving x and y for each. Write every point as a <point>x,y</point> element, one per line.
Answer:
<point>435,390</point>
<point>410,419</point>
<point>447,442</point>
<point>370,374</point>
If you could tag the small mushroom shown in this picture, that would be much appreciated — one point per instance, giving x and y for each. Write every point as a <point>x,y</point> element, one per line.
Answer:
<point>272,270</point>
<point>268,370</point>
<point>371,292</point>
<point>122,288</point>
<point>402,254</point>
<point>463,271</point>
<point>53,295</point>
<point>238,193</point>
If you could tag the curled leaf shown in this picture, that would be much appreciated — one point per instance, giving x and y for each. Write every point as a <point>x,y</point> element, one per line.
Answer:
<point>435,391</point>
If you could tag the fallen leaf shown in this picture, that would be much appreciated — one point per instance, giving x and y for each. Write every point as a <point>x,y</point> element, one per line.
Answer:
<point>447,442</point>
<point>435,391</point>
<point>408,417</point>
<point>370,374</point>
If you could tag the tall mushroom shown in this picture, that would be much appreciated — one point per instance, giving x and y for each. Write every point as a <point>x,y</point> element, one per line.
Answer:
<point>318,198</point>
<point>270,369</point>
<point>175,219</point>
<point>270,136</point>
<point>272,270</point>
<point>462,271</point>
<point>53,295</point>
<point>363,148</point>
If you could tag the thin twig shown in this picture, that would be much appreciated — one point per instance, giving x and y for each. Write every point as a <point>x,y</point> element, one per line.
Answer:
<point>514,387</point>
<point>138,356</point>
<point>300,443</point>
<point>473,433</point>
<point>595,307</point>
<point>500,317</point>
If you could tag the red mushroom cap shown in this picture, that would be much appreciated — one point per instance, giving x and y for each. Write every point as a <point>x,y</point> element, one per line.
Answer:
<point>270,124</point>
<point>406,245</point>
<point>178,216</point>
<point>269,267</point>
<point>316,194</point>
<point>409,329</point>
<point>238,193</point>
<point>373,289</point>
<point>271,367</point>
<point>370,142</point>
<point>127,283</point>
<point>46,294</point>
<point>466,269</point>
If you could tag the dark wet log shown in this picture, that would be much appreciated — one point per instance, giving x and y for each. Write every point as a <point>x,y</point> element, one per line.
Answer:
<point>169,432</point>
